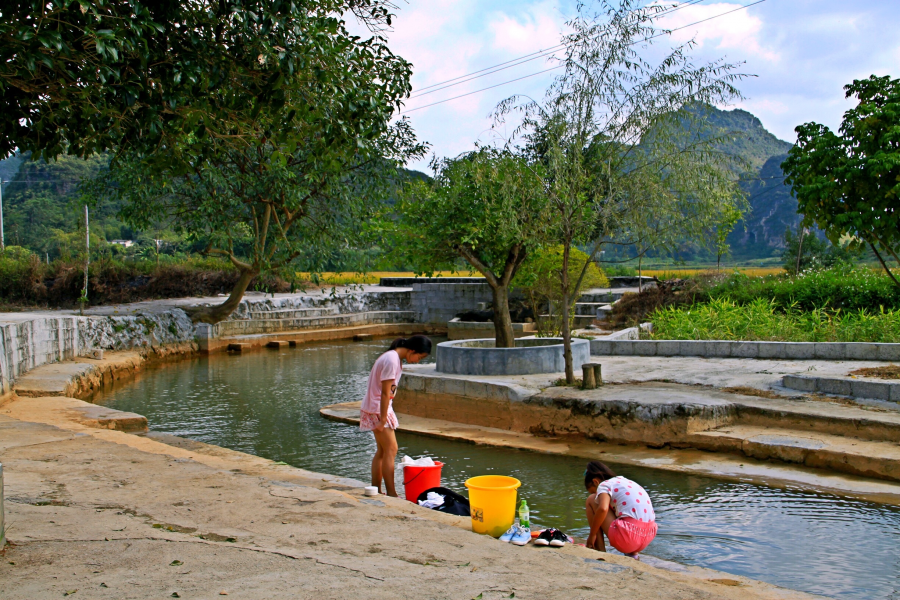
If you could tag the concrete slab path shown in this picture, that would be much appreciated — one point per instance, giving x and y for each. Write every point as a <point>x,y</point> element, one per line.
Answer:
<point>104,514</point>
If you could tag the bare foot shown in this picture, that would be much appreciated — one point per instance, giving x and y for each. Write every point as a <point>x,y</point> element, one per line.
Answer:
<point>635,556</point>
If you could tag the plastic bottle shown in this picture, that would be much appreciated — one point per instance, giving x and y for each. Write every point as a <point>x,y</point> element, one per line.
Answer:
<point>524,519</point>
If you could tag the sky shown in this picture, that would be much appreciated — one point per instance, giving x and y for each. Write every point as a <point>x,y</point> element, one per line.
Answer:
<point>800,52</point>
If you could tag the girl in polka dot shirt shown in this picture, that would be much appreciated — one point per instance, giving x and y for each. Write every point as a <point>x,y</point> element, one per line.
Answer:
<point>619,508</point>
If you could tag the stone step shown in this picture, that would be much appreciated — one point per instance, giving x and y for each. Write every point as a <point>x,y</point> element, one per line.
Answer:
<point>294,313</point>
<point>249,327</point>
<point>818,450</point>
<point>604,297</point>
<point>589,308</point>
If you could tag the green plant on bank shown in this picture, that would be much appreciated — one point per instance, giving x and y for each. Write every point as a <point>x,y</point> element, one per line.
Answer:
<point>762,320</point>
<point>538,280</point>
<point>811,252</point>
<point>848,183</point>
<point>486,207</point>
<point>843,287</point>
<point>628,152</point>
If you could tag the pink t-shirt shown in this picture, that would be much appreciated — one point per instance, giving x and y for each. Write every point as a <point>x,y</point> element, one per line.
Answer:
<point>627,499</point>
<point>388,366</point>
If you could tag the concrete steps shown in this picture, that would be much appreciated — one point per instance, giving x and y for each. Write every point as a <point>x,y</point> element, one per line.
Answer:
<point>875,389</point>
<point>330,321</point>
<point>880,459</point>
<point>589,308</point>
<point>294,313</point>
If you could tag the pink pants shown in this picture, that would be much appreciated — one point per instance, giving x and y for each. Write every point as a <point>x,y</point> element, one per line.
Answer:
<point>630,536</point>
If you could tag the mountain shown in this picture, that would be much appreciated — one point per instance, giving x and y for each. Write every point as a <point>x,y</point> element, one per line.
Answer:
<point>772,208</point>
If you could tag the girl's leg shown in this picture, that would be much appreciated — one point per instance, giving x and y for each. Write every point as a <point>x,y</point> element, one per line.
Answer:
<point>376,464</point>
<point>387,446</point>
<point>590,508</point>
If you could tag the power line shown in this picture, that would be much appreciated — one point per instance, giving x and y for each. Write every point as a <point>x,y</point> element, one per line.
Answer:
<point>525,58</point>
<point>666,32</point>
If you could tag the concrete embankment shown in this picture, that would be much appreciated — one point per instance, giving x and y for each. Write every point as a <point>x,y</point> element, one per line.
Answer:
<point>741,419</point>
<point>105,514</point>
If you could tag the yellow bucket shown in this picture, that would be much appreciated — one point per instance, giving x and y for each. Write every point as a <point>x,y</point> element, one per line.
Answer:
<point>492,499</point>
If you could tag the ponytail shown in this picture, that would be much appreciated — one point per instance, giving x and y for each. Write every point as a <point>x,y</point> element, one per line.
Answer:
<point>596,470</point>
<point>419,344</point>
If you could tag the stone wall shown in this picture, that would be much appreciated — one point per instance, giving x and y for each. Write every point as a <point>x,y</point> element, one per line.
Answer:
<point>43,340</point>
<point>441,302</point>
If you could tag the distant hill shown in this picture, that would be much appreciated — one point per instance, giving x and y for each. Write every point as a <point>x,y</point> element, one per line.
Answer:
<point>772,208</point>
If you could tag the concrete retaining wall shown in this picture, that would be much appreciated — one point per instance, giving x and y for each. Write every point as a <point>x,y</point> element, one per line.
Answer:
<point>40,340</point>
<point>441,302</point>
<point>531,355</point>
<point>768,350</point>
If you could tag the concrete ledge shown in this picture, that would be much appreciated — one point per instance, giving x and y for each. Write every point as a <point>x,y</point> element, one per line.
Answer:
<point>531,355</point>
<point>730,349</point>
<point>844,386</point>
<point>470,330</point>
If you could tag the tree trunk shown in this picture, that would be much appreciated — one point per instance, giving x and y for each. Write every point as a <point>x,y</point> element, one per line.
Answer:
<point>566,332</point>
<point>214,314</point>
<point>503,329</point>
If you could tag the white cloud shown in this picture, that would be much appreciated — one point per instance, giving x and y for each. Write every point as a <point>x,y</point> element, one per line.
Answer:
<point>802,52</point>
<point>738,30</point>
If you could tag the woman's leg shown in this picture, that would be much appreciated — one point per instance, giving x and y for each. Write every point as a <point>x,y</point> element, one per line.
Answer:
<point>590,507</point>
<point>387,446</point>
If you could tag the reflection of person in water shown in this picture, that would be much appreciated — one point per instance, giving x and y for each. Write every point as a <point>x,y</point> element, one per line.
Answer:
<point>377,413</point>
<point>620,508</point>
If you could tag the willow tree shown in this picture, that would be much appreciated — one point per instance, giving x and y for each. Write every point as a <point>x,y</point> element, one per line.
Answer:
<point>305,152</point>
<point>624,141</point>
<point>486,208</point>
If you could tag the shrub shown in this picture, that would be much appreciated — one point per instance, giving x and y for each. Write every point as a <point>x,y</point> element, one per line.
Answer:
<point>761,320</point>
<point>842,287</point>
<point>538,280</point>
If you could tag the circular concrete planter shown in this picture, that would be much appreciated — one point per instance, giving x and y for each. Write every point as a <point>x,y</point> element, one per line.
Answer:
<point>531,355</point>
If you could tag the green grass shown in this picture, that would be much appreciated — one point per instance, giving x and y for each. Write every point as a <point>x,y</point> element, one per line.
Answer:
<point>844,288</point>
<point>762,320</point>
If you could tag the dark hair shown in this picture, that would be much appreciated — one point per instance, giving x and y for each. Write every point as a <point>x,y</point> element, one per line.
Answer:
<point>419,344</point>
<point>596,470</point>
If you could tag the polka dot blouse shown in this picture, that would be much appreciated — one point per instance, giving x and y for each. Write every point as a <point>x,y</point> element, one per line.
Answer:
<point>628,499</point>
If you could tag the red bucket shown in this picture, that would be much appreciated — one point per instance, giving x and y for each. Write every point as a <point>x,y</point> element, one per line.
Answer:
<point>418,479</point>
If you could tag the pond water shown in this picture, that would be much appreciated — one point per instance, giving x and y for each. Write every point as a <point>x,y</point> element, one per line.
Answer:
<point>266,403</point>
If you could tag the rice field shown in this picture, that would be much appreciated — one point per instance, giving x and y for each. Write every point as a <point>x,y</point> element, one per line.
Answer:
<point>371,277</point>
<point>674,273</point>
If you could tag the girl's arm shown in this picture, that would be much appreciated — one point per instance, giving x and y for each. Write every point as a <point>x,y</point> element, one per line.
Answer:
<point>386,386</point>
<point>599,517</point>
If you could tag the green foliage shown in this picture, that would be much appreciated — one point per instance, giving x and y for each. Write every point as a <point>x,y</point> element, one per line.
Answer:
<point>624,141</point>
<point>488,208</point>
<point>815,253</point>
<point>539,281</point>
<point>481,207</point>
<point>90,75</point>
<point>761,320</point>
<point>842,288</point>
<point>848,184</point>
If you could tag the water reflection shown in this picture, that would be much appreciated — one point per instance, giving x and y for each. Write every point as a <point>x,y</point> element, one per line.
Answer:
<point>267,403</point>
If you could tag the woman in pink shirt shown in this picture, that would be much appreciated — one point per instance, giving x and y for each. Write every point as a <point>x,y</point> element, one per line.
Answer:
<point>377,413</point>
<point>620,508</point>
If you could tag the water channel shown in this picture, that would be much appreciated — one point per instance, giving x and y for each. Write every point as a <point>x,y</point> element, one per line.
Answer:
<point>266,403</point>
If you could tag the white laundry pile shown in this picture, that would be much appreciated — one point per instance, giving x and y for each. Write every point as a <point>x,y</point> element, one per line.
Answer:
<point>434,500</point>
<point>425,461</point>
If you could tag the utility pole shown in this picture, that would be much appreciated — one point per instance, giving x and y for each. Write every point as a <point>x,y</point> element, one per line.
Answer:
<point>87,257</point>
<point>2,240</point>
